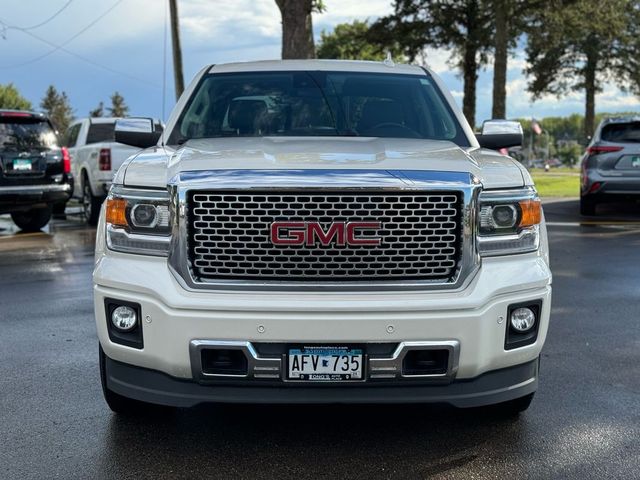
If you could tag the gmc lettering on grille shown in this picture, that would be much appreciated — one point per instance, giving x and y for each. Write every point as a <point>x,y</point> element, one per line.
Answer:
<point>312,233</point>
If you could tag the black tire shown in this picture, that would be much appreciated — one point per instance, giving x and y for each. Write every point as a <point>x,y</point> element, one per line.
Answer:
<point>514,407</point>
<point>32,220</point>
<point>587,206</point>
<point>90,203</point>
<point>116,402</point>
<point>59,209</point>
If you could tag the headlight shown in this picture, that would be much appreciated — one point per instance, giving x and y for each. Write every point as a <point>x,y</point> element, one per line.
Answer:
<point>138,221</point>
<point>509,222</point>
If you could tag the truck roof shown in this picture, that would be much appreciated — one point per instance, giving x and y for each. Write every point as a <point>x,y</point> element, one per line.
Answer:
<point>326,65</point>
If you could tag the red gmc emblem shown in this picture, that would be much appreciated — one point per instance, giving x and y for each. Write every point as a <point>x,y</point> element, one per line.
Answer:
<point>310,233</point>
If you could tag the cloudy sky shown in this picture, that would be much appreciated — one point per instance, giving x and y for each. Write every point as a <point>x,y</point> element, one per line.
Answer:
<point>94,47</point>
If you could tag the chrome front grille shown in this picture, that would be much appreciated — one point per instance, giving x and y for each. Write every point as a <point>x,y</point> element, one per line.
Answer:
<point>228,235</point>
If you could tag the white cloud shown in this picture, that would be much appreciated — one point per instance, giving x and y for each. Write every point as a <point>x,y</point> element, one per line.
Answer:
<point>341,11</point>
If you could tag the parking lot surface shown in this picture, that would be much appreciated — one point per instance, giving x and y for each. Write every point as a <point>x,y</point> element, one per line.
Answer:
<point>583,423</point>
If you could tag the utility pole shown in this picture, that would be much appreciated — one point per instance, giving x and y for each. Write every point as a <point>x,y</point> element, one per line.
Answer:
<point>177,51</point>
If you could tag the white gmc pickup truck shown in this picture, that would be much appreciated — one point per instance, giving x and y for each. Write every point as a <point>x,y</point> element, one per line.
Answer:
<point>320,232</point>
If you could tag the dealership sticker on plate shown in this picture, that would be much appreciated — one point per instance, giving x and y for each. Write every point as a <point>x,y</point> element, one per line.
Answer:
<point>325,363</point>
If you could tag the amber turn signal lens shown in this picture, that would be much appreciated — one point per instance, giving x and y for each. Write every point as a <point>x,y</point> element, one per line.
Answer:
<point>531,213</point>
<point>116,212</point>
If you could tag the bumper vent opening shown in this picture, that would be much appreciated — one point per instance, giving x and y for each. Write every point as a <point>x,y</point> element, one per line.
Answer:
<point>425,362</point>
<point>224,362</point>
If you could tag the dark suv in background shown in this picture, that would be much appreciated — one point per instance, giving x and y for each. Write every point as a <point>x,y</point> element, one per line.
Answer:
<point>611,164</point>
<point>34,170</point>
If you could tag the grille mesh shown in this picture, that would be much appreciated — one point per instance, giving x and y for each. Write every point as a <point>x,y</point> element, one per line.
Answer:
<point>229,236</point>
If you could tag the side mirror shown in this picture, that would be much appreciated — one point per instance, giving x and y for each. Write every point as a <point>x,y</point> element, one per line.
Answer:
<point>497,134</point>
<point>137,132</point>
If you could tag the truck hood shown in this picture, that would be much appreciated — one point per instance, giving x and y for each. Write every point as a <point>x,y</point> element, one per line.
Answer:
<point>304,153</point>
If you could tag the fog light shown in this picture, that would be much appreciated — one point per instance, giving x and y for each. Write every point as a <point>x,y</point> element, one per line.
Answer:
<point>523,319</point>
<point>124,318</point>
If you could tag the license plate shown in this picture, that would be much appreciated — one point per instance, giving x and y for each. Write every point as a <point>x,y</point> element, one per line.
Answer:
<point>325,364</point>
<point>21,164</point>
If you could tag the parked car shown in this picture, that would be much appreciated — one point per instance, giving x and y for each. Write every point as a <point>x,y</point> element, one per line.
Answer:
<point>95,157</point>
<point>347,240</point>
<point>611,164</point>
<point>34,170</point>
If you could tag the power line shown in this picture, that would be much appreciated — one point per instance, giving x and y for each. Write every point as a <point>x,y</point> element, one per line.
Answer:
<point>95,64</point>
<point>62,9</point>
<point>57,47</point>
<point>61,48</point>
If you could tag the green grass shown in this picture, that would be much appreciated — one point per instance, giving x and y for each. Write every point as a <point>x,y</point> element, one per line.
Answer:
<point>550,185</point>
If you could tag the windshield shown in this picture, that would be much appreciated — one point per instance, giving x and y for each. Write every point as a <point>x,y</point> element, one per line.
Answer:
<point>256,104</point>
<point>26,133</point>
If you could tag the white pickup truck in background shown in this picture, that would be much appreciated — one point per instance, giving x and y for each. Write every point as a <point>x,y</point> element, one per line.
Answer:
<point>95,157</point>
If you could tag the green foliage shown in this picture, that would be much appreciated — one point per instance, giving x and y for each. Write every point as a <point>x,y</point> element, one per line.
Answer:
<point>464,27</point>
<point>569,153</point>
<point>10,98</point>
<point>118,106</point>
<point>58,108</point>
<point>98,111</point>
<point>579,44</point>
<point>350,41</point>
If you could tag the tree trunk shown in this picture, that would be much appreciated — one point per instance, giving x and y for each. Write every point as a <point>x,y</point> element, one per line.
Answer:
<point>178,76</point>
<point>499,108</point>
<point>470,77</point>
<point>590,94</point>
<point>297,28</point>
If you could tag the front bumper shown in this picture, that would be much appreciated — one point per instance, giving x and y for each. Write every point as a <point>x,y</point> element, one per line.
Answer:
<point>172,317</point>
<point>156,387</point>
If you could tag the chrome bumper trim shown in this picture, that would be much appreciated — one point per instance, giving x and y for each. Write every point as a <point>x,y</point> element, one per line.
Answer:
<point>273,368</point>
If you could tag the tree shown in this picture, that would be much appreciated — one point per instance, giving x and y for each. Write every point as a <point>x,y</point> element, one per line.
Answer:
<point>510,20</point>
<point>98,111</point>
<point>579,44</point>
<point>569,153</point>
<point>503,35</point>
<point>58,108</point>
<point>118,107</point>
<point>350,41</point>
<point>297,27</point>
<point>10,98</point>
<point>465,27</point>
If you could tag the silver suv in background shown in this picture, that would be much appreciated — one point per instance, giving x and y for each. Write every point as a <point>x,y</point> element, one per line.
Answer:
<point>611,164</point>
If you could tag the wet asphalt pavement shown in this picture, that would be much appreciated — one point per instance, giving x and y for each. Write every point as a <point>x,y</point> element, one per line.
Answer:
<point>583,423</point>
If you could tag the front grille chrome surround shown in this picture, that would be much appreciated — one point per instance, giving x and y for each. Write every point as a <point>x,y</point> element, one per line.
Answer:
<point>229,235</point>
<point>221,229</point>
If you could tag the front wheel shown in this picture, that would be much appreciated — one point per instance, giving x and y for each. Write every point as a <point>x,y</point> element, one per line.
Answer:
<point>117,403</point>
<point>32,220</point>
<point>124,405</point>
<point>514,407</point>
